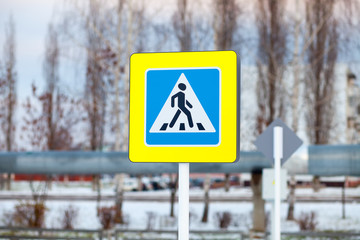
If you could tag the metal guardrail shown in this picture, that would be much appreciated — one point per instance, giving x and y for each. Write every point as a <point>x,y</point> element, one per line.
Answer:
<point>114,162</point>
<point>340,160</point>
<point>129,234</point>
<point>321,160</point>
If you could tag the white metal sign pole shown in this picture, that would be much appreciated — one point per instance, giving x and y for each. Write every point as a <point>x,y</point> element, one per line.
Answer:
<point>278,155</point>
<point>183,211</point>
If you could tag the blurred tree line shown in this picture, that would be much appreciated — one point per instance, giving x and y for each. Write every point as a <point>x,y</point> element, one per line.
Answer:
<point>295,46</point>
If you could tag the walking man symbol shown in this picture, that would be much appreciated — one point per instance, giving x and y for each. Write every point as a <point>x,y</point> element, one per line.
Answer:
<point>181,102</point>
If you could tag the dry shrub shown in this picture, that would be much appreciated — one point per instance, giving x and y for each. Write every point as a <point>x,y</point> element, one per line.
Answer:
<point>192,216</point>
<point>7,219</point>
<point>268,221</point>
<point>168,222</point>
<point>223,219</point>
<point>69,217</point>
<point>151,220</point>
<point>307,221</point>
<point>27,214</point>
<point>241,221</point>
<point>106,216</point>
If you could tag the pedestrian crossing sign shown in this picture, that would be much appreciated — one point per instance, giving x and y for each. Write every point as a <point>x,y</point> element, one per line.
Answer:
<point>184,107</point>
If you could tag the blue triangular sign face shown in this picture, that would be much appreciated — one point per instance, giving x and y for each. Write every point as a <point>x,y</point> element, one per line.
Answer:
<point>182,107</point>
<point>291,142</point>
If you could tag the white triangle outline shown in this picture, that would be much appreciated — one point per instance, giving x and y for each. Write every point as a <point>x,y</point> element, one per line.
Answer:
<point>197,111</point>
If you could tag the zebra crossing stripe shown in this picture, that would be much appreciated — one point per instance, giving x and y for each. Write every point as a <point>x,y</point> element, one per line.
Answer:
<point>200,127</point>
<point>163,127</point>
<point>182,127</point>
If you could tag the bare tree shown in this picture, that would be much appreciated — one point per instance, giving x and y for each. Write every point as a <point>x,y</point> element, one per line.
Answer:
<point>225,14</point>
<point>316,45</point>
<point>271,60</point>
<point>8,91</point>
<point>321,57</point>
<point>134,19</point>
<point>207,183</point>
<point>272,42</point>
<point>117,75</point>
<point>49,123</point>
<point>50,115</point>
<point>116,26</point>
<point>173,185</point>
<point>9,86</point>
<point>291,200</point>
<point>295,100</point>
<point>182,23</point>
<point>314,56</point>
<point>51,75</point>
<point>2,83</point>
<point>112,31</point>
<point>95,93</point>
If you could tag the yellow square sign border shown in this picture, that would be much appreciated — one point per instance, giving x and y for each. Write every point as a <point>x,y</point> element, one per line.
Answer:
<point>228,150</point>
<point>183,145</point>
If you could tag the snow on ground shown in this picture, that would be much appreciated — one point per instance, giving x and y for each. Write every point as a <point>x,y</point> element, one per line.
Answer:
<point>75,188</point>
<point>328,214</point>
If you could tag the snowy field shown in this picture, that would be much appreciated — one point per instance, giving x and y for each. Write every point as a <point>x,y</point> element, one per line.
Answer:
<point>140,214</point>
<point>136,213</point>
<point>108,188</point>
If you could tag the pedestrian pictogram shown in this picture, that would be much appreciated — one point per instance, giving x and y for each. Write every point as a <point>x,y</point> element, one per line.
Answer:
<point>182,111</point>
<point>181,104</point>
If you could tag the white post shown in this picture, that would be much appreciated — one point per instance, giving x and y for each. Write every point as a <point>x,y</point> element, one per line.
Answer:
<point>183,211</point>
<point>278,155</point>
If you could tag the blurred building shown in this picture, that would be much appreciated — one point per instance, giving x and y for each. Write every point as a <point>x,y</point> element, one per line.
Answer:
<point>353,109</point>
